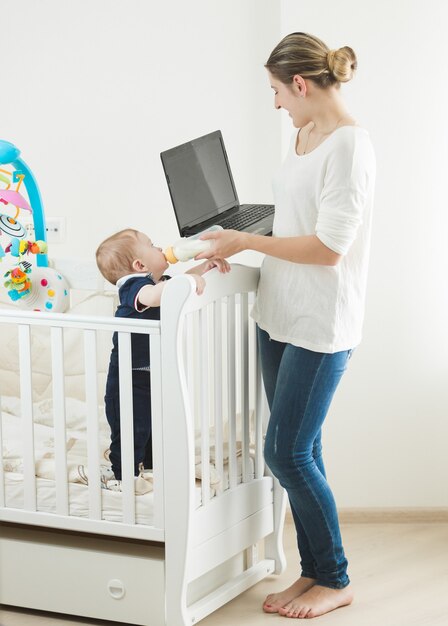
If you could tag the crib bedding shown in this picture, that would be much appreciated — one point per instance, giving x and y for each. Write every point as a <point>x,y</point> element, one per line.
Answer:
<point>43,431</point>
<point>111,501</point>
<point>76,441</point>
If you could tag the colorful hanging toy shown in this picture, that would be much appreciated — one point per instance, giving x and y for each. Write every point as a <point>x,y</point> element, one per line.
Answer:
<point>31,285</point>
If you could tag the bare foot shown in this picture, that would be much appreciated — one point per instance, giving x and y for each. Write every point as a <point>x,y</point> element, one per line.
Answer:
<point>317,601</point>
<point>276,601</point>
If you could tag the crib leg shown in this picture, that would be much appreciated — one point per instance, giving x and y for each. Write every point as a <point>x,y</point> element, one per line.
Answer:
<point>252,556</point>
<point>274,541</point>
<point>175,598</point>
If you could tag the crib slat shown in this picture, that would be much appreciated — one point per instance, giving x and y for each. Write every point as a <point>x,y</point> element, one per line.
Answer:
<point>90,361</point>
<point>205,421</point>
<point>26,401</point>
<point>218,382</point>
<point>258,415</point>
<point>157,435</point>
<point>196,370</point>
<point>60,445</point>
<point>244,378</point>
<point>189,359</point>
<point>126,427</point>
<point>231,391</point>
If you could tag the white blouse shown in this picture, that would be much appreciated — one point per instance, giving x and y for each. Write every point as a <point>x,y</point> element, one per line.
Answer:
<point>327,192</point>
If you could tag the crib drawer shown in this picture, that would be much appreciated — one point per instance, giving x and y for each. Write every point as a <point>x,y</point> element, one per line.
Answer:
<point>82,575</point>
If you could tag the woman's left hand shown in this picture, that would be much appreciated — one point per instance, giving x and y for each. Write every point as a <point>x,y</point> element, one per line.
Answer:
<point>225,243</point>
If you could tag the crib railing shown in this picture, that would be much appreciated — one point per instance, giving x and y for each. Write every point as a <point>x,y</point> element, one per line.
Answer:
<point>87,329</point>
<point>223,382</point>
<point>205,394</point>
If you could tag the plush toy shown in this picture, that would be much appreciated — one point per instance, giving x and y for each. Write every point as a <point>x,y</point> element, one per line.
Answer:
<point>19,247</point>
<point>38,247</point>
<point>18,283</point>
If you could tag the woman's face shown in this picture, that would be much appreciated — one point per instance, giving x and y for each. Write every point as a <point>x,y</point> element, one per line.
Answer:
<point>291,98</point>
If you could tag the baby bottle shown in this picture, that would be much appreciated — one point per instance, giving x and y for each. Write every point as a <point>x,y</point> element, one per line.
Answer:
<point>188,247</point>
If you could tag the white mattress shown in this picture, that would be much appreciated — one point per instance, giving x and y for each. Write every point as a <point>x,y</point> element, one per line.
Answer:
<point>79,499</point>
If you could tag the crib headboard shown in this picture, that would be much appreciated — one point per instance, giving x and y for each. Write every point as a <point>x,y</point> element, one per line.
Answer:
<point>207,371</point>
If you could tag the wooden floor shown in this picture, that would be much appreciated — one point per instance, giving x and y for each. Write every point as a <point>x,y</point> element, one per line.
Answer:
<point>399,573</point>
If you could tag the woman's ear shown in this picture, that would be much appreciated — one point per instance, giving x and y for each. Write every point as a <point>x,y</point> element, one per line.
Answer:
<point>299,85</point>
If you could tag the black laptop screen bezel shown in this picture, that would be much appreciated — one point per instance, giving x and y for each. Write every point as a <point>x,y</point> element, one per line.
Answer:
<point>191,145</point>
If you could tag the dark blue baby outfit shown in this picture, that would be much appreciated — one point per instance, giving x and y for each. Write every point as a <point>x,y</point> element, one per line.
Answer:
<point>141,379</point>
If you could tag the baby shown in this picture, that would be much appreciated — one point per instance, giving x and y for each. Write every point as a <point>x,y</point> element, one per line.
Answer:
<point>131,261</point>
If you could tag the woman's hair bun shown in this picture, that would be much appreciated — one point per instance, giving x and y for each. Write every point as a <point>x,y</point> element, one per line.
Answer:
<point>310,57</point>
<point>342,63</point>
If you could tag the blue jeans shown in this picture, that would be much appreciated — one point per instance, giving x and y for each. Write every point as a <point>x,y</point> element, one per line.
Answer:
<point>300,385</point>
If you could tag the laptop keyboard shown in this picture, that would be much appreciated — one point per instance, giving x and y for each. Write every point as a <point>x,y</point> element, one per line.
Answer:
<point>251,213</point>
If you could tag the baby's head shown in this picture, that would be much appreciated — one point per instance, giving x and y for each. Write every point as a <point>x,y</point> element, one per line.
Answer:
<point>129,252</point>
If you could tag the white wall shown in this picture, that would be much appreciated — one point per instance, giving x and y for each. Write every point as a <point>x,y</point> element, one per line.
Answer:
<point>95,90</point>
<point>386,440</point>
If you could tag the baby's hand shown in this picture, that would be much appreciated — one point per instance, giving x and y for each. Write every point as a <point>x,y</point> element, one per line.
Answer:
<point>200,283</point>
<point>222,265</point>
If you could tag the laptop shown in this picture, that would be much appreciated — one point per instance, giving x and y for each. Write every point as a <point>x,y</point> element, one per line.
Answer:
<point>202,190</point>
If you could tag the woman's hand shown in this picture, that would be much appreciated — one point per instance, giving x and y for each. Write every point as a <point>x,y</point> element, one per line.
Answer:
<point>225,243</point>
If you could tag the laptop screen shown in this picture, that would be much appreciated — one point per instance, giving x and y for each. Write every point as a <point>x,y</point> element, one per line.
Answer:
<point>199,179</point>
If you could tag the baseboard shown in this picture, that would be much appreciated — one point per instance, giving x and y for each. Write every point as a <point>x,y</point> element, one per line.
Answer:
<point>399,515</point>
<point>389,515</point>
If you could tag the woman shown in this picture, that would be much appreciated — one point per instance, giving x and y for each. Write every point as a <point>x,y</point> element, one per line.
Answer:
<point>310,302</point>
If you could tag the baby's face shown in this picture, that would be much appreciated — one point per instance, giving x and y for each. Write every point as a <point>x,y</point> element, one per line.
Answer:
<point>151,256</point>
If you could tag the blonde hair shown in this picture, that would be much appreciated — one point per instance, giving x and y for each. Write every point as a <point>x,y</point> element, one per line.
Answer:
<point>308,56</point>
<point>116,254</point>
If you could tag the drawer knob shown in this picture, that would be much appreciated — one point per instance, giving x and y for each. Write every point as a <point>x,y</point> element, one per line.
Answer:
<point>116,588</point>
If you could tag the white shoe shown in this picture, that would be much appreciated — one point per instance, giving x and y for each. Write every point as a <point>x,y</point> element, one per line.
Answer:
<point>142,482</point>
<point>106,476</point>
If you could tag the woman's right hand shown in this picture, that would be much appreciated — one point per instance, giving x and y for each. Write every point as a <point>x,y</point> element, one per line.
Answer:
<point>225,243</point>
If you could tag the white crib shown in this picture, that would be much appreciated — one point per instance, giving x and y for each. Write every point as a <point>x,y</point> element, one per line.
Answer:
<point>212,524</point>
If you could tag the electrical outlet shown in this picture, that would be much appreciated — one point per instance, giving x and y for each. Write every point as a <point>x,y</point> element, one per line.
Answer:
<point>30,229</point>
<point>55,227</point>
